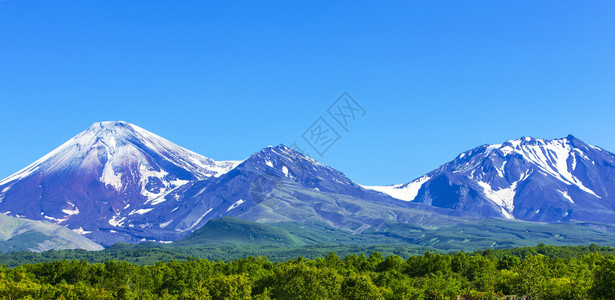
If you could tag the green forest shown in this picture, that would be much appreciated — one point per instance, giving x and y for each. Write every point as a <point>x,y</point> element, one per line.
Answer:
<point>540,272</point>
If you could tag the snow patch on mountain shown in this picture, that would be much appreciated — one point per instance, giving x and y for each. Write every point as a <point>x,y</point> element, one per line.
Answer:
<point>163,185</point>
<point>165,224</point>
<point>235,205</point>
<point>56,220</point>
<point>109,177</point>
<point>199,219</point>
<point>81,231</point>
<point>70,212</point>
<point>565,194</point>
<point>405,192</point>
<point>551,157</point>
<point>502,197</point>
<point>116,221</point>
<point>140,211</point>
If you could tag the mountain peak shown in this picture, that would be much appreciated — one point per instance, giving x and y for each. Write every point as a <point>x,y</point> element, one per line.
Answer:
<point>526,139</point>
<point>107,124</point>
<point>289,163</point>
<point>124,168</point>
<point>117,130</point>
<point>513,176</point>
<point>282,150</point>
<point>279,148</point>
<point>569,137</point>
<point>110,126</point>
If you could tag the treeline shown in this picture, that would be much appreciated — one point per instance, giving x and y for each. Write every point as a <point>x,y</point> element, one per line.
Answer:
<point>558,273</point>
<point>150,253</point>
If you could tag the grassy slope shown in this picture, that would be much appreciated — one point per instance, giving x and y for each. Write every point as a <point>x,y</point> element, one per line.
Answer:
<point>18,234</point>
<point>231,238</point>
<point>498,234</point>
<point>234,231</point>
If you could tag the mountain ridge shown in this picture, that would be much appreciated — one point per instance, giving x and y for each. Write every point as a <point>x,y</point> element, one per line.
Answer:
<point>116,182</point>
<point>494,174</point>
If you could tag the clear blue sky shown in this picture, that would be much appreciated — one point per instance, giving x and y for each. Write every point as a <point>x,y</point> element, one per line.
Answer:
<point>227,78</point>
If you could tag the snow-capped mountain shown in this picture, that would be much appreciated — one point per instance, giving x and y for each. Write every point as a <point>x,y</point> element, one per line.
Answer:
<point>116,182</point>
<point>278,184</point>
<point>97,180</point>
<point>528,179</point>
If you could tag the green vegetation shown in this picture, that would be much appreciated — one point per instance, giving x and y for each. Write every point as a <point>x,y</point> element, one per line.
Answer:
<point>18,234</point>
<point>540,272</point>
<point>498,234</point>
<point>285,240</point>
<point>230,230</point>
<point>467,236</point>
<point>147,254</point>
<point>23,242</point>
<point>231,238</point>
<point>235,259</point>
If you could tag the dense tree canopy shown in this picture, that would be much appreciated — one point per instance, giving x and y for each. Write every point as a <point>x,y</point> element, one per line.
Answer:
<point>541,272</point>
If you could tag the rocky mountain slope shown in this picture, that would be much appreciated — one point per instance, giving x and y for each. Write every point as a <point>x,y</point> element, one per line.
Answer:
<point>95,182</point>
<point>116,182</point>
<point>528,179</point>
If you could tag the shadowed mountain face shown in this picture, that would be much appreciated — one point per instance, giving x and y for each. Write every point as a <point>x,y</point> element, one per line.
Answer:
<point>116,182</point>
<point>527,179</point>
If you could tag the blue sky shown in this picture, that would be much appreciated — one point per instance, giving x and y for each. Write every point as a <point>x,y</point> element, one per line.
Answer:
<point>227,78</point>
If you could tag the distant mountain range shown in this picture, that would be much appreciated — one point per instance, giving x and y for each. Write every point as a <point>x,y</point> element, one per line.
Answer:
<point>116,182</point>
